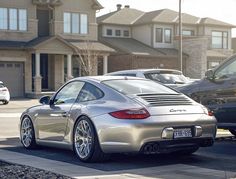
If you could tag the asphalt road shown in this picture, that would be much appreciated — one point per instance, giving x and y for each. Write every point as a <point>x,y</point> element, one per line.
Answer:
<point>221,157</point>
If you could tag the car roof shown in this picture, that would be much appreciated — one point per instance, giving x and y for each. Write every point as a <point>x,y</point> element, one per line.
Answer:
<point>143,71</point>
<point>105,78</point>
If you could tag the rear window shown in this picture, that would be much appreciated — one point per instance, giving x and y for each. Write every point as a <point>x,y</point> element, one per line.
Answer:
<point>167,78</point>
<point>138,87</point>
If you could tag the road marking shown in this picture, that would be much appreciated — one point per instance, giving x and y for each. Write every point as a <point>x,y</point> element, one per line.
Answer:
<point>9,115</point>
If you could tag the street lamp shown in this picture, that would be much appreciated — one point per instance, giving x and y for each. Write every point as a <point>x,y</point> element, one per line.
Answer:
<point>180,38</point>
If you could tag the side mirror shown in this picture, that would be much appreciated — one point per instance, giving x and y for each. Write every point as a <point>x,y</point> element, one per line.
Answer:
<point>209,74</point>
<point>45,100</point>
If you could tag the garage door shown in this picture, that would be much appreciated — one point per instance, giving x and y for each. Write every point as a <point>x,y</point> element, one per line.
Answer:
<point>11,73</point>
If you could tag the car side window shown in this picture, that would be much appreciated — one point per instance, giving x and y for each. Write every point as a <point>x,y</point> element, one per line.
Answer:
<point>89,93</point>
<point>69,93</point>
<point>227,71</point>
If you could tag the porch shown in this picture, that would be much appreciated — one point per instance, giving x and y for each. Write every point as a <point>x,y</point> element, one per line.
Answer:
<point>55,61</point>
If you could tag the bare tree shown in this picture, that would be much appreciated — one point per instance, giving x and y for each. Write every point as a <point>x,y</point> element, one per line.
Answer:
<point>87,57</point>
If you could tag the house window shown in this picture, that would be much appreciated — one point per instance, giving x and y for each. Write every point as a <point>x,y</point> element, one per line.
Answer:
<point>118,33</point>
<point>159,35</point>
<point>109,32</point>
<point>126,33</point>
<point>67,23</point>
<point>219,40</point>
<point>22,19</point>
<point>188,33</point>
<point>13,19</point>
<point>167,36</point>
<point>3,19</point>
<point>84,24</point>
<point>75,23</point>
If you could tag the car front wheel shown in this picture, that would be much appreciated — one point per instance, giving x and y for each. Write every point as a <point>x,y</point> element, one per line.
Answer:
<point>86,145</point>
<point>233,132</point>
<point>27,135</point>
<point>5,102</point>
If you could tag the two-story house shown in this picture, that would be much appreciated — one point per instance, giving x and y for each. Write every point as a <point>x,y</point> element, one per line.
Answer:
<point>42,43</point>
<point>150,40</point>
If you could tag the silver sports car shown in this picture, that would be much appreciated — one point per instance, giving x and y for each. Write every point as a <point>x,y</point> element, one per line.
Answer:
<point>97,116</point>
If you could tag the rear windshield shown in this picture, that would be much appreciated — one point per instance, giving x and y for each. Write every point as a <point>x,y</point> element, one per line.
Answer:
<point>167,77</point>
<point>138,87</point>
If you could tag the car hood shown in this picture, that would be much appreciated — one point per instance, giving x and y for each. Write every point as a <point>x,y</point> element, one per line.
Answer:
<point>190,87</point>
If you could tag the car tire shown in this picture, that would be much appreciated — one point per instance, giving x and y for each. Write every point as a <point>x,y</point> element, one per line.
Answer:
<point>233,131</point>
<point>187,151</point>
<point>5,102</point>
<point>85,142</point>
<point>27,134</point>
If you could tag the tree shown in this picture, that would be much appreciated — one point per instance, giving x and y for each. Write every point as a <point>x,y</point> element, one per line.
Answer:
<point>87,57</point>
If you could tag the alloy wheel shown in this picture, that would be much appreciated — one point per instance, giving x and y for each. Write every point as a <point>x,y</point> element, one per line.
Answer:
<point>83,139</point>
<point>26,132</point>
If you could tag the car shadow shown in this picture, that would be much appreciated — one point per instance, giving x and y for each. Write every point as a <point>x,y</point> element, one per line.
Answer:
<point>119,162</point>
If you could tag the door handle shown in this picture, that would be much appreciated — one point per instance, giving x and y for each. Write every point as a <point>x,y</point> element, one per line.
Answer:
<point>65,114</point>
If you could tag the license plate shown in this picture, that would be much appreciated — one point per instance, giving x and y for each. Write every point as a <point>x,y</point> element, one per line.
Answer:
<point>182,133</point>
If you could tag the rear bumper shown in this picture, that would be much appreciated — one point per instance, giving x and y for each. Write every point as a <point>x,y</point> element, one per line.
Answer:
<point>121,136</point>
<point>4,97</point>
<point>175,145</point>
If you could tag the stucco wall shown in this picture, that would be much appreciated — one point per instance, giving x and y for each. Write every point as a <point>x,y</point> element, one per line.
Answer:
<point>143,34</point>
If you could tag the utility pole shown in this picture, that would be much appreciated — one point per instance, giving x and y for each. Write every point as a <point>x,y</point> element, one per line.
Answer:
<point>180,38</point>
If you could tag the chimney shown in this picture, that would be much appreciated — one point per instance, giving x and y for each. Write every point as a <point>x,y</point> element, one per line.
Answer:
<point>127,6</point>
<point>118,7</point>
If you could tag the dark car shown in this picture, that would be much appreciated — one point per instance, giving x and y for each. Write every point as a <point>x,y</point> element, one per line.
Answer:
<point>217,91</point>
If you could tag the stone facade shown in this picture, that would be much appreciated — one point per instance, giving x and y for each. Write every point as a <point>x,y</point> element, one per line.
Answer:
<point>47,57</point>
<point>196,48</point>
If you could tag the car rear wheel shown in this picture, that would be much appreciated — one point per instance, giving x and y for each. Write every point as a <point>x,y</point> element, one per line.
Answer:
<point>86,145</point>
<point>27,134</point>
<point>233,132</point>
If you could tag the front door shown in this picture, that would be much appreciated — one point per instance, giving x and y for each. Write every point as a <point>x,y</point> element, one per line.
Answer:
<point>52,119</point>
<point>220,94</point>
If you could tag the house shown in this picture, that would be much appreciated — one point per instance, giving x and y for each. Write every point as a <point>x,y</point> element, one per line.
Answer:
<point>42,44</point>
<point>150,40</point>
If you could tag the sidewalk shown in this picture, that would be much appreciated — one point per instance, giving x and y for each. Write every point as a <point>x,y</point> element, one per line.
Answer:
<point>177,171</point>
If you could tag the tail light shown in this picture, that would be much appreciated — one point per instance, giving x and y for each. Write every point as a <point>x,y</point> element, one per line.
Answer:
<point>131,114</point>
<point>207,111</point>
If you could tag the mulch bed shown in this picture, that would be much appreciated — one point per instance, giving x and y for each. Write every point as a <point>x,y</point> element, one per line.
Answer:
<point>12,171</point>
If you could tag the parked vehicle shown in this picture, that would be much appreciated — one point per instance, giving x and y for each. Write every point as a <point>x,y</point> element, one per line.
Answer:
<point>169,77</point>
<point>217,91</point>
<point>4,94</point>
<point>96,116</point>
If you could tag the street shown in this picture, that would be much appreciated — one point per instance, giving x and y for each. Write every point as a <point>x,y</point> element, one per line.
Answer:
<point>214,162</point>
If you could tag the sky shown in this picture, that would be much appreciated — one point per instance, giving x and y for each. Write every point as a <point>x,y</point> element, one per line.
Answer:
<point>223,10</point>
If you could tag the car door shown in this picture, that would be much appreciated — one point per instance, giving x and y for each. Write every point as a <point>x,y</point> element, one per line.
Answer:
<point>226,94</point>
<point>52,119</point>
